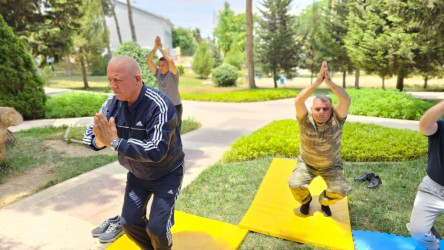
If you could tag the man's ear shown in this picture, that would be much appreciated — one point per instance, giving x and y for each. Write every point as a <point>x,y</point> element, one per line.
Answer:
<point>139,78</point>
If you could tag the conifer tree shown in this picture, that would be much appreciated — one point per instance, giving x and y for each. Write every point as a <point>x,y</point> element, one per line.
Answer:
<point>20,86</point>
<point>203,61</point>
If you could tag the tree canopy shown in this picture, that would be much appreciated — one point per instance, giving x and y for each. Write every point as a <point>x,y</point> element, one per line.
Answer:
<point>45,26</point>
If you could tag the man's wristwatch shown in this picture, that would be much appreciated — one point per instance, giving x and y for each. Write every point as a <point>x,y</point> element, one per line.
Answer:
<point>115,144</point>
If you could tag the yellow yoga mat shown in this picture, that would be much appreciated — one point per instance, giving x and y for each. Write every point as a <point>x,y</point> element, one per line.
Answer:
<point>275,212</point>
<point>194,232</point>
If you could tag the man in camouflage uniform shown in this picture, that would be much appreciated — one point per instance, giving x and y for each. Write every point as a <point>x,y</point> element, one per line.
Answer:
<point>320,134</point>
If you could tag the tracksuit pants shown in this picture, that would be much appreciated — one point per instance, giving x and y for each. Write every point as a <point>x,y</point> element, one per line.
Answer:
<point>153,233</point>
<point>429,203</point>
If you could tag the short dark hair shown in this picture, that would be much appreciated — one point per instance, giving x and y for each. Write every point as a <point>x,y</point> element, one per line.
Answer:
<point>162,59</point>
<point>323,98</point>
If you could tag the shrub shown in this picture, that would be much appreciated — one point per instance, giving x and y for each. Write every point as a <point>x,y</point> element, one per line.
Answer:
<point>202,62</point>
<point>235,57</point>
<point>20,86</point>
<point>386,103</point>
<point>134,50</point>
<point>98,65</point>
<point>252,95</point>
<point>225,75</point>
<point>181,70</point>
<point>74,105</point>
<point>360,143</point>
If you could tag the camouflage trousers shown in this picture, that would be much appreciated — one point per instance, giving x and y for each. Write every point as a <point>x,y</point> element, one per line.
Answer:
<point>303,174</point>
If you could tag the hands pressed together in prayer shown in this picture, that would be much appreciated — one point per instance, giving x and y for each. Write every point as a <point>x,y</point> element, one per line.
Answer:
<point>104,130</point>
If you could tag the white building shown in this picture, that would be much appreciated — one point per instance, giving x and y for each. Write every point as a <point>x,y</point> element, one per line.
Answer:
<point>146,24</point>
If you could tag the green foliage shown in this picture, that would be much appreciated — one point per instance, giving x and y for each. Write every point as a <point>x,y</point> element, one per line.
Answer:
<point>309,28</point>
<point>20,86</point>
<point>385,103</point>
<point>225,75</point>
<point>277,47</point>
<point>98,65</point>
<point>202,62</point>
<point>235,57</point>
<point>331,38</point>
<point>252,95</point>
<point>230,30</point>
<point>181,70</point>
<point>184,39</point>
<point>45,26</point>
<point>92,37</point>
<point>74,105</point>
<point>139,54</point>
<point>360,143</point>
<point>395,37</point>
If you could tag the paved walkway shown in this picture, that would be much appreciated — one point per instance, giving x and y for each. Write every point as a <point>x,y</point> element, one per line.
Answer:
<point>62,216</point>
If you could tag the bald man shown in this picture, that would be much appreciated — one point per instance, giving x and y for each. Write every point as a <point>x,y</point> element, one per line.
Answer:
<point>140,123</point>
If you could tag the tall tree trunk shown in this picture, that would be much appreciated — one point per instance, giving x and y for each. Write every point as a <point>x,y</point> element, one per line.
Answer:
<point>68,69</point>
<point>383,83</point>
<point>249,48</point>
<point>85,79</point>
<point>115,20</point>
<point>108,47</point>
<point>344,75</point>
<point>400,82</point>
<point>426,79</point>
<point>357,72</point>
<point>130,17</point>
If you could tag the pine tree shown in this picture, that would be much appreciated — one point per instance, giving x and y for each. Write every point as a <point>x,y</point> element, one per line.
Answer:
<point>20,86</point>
<point>333,29</point>
<point>277,47</point>
<point>390,38</point>
<point>203,61</point>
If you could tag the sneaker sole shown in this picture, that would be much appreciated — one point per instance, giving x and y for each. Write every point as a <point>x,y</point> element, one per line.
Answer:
<point>96,235</point>
<point>113,239</point>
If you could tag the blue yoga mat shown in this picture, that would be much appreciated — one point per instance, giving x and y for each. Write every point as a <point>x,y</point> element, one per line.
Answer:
<point>366,240</point>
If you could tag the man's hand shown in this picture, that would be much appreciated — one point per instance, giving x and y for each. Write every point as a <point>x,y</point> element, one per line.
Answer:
<point>105,131</point>
<point>321,74</point>
<point>327,77</point>
<point>157,43</point>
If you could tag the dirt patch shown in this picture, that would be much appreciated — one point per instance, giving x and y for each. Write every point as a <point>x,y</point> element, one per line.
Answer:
<point>24,184</point>
<point>27,183</point>
<point>76,150</point>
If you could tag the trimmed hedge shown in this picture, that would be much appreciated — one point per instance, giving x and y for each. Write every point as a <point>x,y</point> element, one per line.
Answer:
<point>386,103</point>
<point>254,95</point>
<point>360,143</point>
<point>74,105</point>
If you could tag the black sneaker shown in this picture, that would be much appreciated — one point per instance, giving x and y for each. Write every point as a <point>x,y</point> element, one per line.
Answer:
<point>374,182</point>
<point>365,177</point>
<point>102,228</point>
<point>113,232</point>
<point>305,208</point>
<point>435,233</point>
<point>326,211</point>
